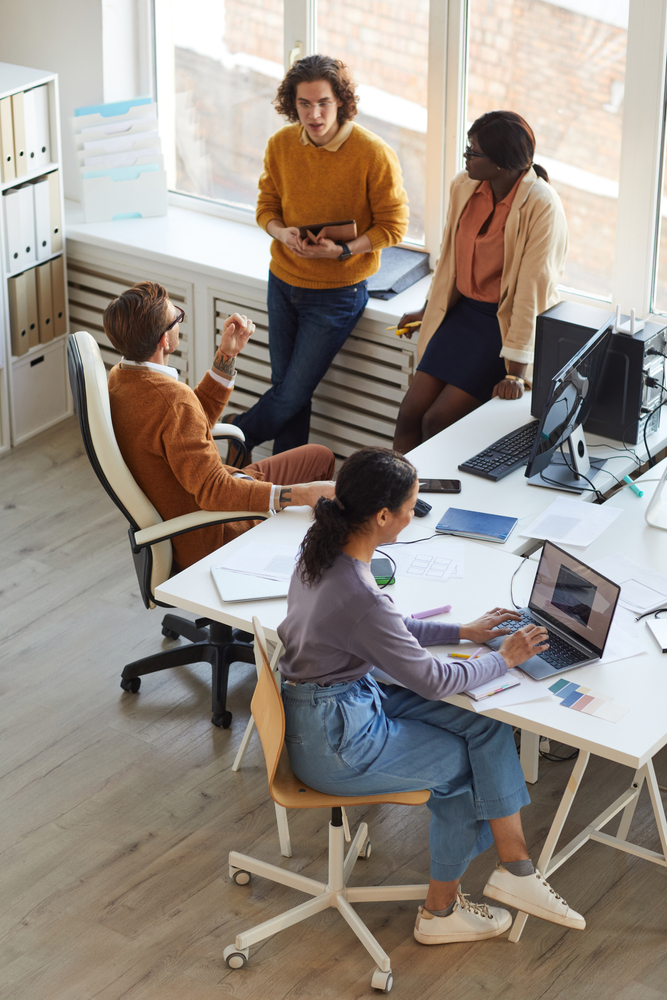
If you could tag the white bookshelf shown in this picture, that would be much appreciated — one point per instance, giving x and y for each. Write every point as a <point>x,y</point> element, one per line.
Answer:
<point>34,389</point>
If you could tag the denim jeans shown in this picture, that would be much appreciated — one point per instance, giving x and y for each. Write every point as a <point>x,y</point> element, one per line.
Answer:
<point>307,328</point>
<point>361,738</point>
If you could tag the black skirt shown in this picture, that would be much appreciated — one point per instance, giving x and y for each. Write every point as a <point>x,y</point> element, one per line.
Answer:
<point>465,349</point>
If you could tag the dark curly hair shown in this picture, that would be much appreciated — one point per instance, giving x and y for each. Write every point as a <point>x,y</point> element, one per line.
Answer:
<point>313,68</point>
<point>369,480</point>
<point>508,140</point>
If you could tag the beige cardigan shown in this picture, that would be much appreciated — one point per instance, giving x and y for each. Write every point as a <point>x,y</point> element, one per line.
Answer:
<point>536,242</point>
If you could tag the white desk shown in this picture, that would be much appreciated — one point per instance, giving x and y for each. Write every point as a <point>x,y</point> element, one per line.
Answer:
<point>633,741</point>
<point>439,457</point>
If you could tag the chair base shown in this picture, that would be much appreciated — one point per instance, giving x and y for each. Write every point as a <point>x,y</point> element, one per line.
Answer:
<point>210,642</point>
<point>336,893</point>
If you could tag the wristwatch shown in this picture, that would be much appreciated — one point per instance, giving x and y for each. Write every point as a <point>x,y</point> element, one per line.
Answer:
<point>515,378</point>
<point>346,251</point>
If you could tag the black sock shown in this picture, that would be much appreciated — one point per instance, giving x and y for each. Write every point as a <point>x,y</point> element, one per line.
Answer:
<point>520,868</point>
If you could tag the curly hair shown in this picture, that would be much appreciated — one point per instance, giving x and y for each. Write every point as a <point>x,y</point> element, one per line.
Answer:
<point>368,481</point>
<point>309,70</point>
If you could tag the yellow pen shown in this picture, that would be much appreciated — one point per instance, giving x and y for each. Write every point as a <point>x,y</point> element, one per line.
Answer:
<point>404,329</point>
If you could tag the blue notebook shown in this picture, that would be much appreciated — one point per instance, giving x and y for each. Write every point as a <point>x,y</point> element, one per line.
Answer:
<point>475,524</point>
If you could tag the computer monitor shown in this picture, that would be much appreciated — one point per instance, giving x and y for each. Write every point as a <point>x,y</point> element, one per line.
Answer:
<point>569,401</point>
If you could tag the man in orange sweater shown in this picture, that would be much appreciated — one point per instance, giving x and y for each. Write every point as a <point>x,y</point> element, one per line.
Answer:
<point>322,168</point>
<point>163,427</point>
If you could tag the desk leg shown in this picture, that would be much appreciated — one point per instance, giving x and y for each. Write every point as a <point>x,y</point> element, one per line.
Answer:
<point>555,831</point>
<point>629,811</point>
<point>530,756</point>
<point>658,808</point>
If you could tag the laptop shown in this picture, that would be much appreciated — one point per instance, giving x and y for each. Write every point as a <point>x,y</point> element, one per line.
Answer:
<point>235,587</point>
<point>576,604</point>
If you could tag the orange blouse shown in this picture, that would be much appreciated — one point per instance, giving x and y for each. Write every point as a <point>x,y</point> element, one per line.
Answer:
<point>480,256</point>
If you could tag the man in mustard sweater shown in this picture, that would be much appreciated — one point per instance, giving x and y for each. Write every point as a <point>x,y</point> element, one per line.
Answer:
<point>323,168</point>
<point>163,427</point>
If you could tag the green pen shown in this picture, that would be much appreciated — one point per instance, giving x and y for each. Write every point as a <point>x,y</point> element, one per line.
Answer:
<point>635,489</point>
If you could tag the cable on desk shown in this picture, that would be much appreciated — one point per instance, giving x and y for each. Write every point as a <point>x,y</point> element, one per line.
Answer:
<point>556,758</point>
<point>647,613</point>
<point>514,604</point>
<point>413,541</point>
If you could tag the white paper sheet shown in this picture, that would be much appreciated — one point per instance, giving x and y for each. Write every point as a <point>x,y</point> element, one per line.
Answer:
<point>641,588</point>
<point>572,522</point>
<point>433,559</point>
<point>527,690</point>
<point>271,562</point>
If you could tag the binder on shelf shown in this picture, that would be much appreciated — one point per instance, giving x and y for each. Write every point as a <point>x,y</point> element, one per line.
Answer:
<point>36,120</point>
<point>125,193</point>
<point>44,302</point>
<point>28,253</point>
<point>54,211</point>
<point>18,118</point>
<point>11,204</point>
<point>18,315</point>
<point>7,171</point>
<point>58,295</point>
<point>40,190</point>
<point>33,311</point>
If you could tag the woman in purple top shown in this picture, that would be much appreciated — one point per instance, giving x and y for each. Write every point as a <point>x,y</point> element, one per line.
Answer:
<point>347,734</point>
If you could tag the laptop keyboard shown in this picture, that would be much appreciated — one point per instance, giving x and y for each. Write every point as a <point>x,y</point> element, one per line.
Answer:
<point>560,653</point>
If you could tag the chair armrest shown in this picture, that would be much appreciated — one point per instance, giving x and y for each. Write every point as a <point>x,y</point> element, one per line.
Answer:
<point>190,522</point>
<point>227,431</point>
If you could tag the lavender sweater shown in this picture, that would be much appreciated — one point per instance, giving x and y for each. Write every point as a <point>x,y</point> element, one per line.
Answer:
<point>338,629</point>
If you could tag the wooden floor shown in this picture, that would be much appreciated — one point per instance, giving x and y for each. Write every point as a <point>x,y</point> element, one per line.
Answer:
<point>117,811</point>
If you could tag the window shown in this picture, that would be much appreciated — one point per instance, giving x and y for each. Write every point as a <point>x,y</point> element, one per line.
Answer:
<point>228,59</point>
<point>562,67</point>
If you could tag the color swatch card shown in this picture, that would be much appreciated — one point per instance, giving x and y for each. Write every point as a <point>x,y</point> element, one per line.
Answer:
<point>582,699</point>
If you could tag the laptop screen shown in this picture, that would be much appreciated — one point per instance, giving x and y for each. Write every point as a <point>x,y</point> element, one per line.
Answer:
<point>574,597</point>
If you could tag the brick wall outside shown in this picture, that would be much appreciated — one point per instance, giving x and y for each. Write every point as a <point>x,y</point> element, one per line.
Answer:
<point>560,70</point>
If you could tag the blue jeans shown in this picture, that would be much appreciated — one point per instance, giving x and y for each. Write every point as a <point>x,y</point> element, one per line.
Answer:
<point>361,738</point>
<point>307,328</point>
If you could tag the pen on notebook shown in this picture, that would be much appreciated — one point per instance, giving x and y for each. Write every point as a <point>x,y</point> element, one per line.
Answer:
<point>433,611</point>
<point>498,690</point>
<point>467,656</point>
<point>635,489</point>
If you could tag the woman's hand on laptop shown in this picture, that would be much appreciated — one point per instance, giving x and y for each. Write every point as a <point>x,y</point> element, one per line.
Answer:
<point>523,644</point>
<point>486,626</point>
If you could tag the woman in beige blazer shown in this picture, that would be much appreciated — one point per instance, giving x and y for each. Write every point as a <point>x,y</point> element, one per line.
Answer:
<point>502,256</point>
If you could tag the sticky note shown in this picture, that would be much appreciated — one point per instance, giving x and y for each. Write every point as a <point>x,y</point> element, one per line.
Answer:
<point>611,712</point>
<point>569,689</point>
<point>559,685</point>
<point>571,699</point>
<point>583,701</point>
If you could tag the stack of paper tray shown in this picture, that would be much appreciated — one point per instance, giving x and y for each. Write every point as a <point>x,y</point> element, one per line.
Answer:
<point>119,153</point>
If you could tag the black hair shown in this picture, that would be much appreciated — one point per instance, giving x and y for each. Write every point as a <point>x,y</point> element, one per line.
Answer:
<point>508,140</point>
<point>369,480</point>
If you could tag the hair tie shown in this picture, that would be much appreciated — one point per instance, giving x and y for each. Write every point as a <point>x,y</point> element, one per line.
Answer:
<point>338,503</point>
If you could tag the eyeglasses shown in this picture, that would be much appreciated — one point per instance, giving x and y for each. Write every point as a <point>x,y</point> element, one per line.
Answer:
<point>322,105</point>
<point>179,319</point>
<point>469,152</point>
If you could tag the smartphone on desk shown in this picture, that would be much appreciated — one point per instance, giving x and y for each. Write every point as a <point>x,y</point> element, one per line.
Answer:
<point>439,485</point>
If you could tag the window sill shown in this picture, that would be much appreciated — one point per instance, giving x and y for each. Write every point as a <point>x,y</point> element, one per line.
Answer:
<point>205,244</point>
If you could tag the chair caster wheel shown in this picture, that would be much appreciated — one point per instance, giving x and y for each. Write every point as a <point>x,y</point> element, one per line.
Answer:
<point>239,875</point>
<point>234,958</point>
<point>382,981</point>
<point>365,851</point>
<point>170,634</point>
<point>132,684</point>
<point>223,721</point>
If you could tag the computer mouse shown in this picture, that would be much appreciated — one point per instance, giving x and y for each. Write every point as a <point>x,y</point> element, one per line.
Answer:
<point>422,508</point>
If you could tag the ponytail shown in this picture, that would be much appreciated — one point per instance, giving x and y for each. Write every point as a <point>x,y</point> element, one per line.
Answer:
<point>541,172</point>
<point>508,141</point>
<point>369,481</point>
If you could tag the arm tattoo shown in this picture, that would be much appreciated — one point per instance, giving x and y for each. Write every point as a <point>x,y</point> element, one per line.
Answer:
<point>285,496</point>
<point>224,366</point>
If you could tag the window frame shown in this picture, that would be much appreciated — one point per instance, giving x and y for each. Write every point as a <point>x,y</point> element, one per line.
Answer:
<point>642,142</point>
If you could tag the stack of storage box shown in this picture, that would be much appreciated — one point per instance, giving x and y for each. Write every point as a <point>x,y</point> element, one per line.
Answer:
<point>122,169</point>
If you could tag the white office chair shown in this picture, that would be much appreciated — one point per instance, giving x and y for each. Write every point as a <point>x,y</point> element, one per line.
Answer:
<point>288,792</point>
<point>150,536</point>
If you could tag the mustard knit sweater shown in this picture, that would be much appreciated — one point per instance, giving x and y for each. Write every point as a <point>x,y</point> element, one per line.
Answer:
<point>304,184</point>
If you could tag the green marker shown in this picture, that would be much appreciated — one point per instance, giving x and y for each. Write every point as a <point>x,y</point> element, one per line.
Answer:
<point>635,489</point>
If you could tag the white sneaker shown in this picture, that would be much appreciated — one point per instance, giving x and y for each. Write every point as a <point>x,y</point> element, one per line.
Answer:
<point>532,894</point>
<point>467,922</point>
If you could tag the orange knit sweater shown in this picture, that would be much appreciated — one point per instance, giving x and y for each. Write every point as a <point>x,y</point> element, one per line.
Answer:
<point>163,429</point>
<point>303,184</point>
